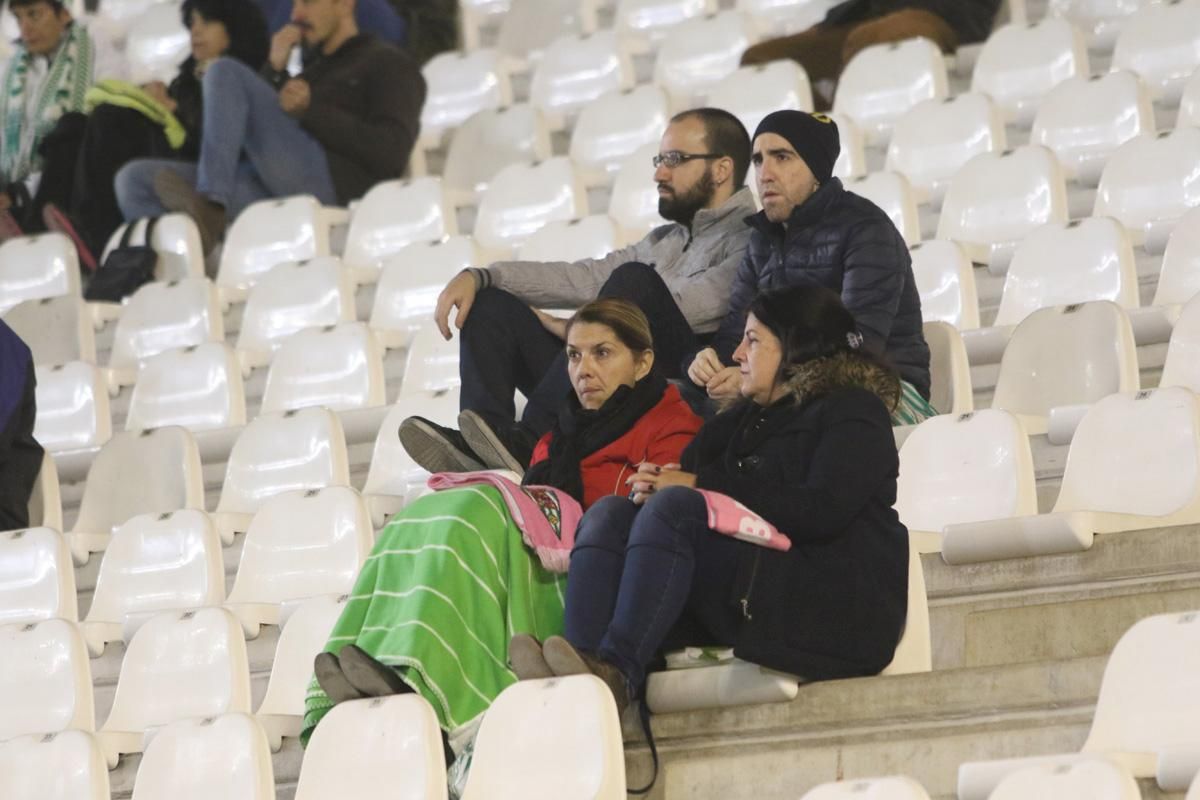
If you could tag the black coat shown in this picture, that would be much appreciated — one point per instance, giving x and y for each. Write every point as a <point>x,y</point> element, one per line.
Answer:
<point>971,19</point>
<point>847,244</point>
<point>822,469</point>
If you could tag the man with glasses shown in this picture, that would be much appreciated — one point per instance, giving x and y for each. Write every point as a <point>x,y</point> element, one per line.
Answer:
<point>679,275</point>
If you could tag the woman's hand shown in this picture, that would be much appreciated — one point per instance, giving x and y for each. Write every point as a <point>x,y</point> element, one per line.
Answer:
<point>651,477</point>
<point>158,93</point>
<point>555,325</point>
<point>704,367</point>
<point>725,385</point>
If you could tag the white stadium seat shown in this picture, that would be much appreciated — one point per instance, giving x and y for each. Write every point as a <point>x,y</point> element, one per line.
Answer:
<point>1085,120</point>
<point>271,232</point>
<point>571,240</point>
<point>156,44</point>
<point>199,388</point>
<point>1101,20</point>
<point>338,366</point>
<point>164,316</point>
<point>522,198</point>
<point>949,369</point>
<point>633,204</point>
<point>37,577</point>
<point>559,737</point>
<point>883,81</point>
<point>892,192</point>
<point>531,26</point>
<point>33,267</point>
<point>175,238</point>
<point>458,85</point>
<point>394,215</point>
<point>576,70</point>
<point>752,92</point>
<point>154,563</point>
<point>410,283</point>
<point>1179,279</point>
<point>56,329</point>
<point>46,679</point>
<point>72,407</point>
<point>431,364</point>
<point>292,297</point>
<point>304,449</point>
<point>613,126</point>
<point>773,18</point>
<point>643,24</point>
<point>489,141</point>
<point>66,766</point>
<point>45,501</point>
<point>1182,365</point>
<point>946,283</point>
<point>478,15</point>
<point>1020,64</point>
<point>852,159</point>
<point>200,759</point>
<point>1161,44</point>
<point>697,55</point>
<point>1084,780</point>
<point>299,545</point>
<point>372,747</point>
<point>1189,103</point>
<point>896,787</point>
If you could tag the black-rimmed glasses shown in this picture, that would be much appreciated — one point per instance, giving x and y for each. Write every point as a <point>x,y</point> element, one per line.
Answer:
<point>673,158</point>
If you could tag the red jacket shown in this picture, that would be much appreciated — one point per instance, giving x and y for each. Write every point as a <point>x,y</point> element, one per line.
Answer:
<point>658,437</point>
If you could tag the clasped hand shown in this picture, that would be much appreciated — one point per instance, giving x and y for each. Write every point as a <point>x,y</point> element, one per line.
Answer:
<point>651,477</point>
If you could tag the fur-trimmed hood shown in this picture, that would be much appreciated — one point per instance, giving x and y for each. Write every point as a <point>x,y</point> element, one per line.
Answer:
<point>843,371</point>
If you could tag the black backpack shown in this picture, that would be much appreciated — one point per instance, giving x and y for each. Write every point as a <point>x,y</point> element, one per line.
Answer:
<point>127,268</point>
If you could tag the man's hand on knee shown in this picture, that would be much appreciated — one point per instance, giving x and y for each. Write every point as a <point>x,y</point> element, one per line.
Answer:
<point>295,97</point>
<point>704,367</point>
<point>459,293</point>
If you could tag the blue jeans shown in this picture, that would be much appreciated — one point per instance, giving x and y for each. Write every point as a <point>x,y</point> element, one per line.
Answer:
<point>637,573</point>
<point>251,150</point>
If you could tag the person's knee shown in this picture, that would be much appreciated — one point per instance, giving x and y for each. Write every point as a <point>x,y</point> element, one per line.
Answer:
<point>492,311</point>
<point>223,72</point>
<point>606,524</point>
<point>632,281</point>
<point>671,509</point>
<point>131,183</point>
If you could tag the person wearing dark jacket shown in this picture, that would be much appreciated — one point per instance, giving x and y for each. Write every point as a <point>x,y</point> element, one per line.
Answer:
<point>812,231</point>
<point>20,454</point>
<point>825,49</point>
<point>808,447</point>
<point>348,121</point>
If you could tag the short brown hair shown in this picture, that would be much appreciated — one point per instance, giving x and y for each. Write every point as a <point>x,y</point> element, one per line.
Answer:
<point>624,318</point>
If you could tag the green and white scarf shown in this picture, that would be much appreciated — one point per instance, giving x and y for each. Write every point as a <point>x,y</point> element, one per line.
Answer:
<point>68,79</point>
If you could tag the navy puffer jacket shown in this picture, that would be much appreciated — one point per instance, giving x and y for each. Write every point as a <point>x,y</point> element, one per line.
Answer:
<point>845,243</point>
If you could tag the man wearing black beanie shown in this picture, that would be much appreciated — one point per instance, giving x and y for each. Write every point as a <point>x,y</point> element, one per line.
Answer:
<point>811,230</point>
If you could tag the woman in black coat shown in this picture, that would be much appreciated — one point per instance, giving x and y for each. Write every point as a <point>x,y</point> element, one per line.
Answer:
<point>810,448</point>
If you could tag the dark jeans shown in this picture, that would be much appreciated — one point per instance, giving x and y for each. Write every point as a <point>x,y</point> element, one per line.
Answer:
<point>638,574</point>
<point>505,348</point>
<point>20,454</point>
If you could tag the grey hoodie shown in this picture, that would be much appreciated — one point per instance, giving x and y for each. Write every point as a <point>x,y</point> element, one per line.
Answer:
<point>697,265</point>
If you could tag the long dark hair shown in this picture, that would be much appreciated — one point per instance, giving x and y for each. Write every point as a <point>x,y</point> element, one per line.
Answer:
<point>244,23</point>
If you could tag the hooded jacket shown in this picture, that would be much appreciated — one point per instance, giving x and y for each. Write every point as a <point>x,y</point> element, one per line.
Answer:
<point>821,465</point>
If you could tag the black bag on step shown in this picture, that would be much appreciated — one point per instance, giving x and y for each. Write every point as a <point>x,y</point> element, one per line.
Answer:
<point>127,268</point>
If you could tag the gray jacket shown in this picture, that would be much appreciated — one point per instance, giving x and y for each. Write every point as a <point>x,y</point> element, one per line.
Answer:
<point>697,265</point>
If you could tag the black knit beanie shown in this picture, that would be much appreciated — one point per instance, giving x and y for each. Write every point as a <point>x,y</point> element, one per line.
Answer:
<point>813,136</point>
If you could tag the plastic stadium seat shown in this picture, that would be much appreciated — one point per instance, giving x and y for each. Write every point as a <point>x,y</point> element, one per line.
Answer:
<point>1182,365</point>
<point>154,563</point>
<point>575,71</point>
<point>477,15</point>
<point>410,283</point>
<point>590,237</point>
<point>304,634</point>
<point>393,215</point>
<point>164,316</point>
<point>272,232</point>
<point>37,577</point>
<point>783,17</point>
<point>393,478</point>
<point>46,679</point>
<point>1189,104</point>
<point>66,766</point>
<point>199,759</point>
<point>931,142</point>
<point>1150,182</point>
<point>431,364</point>
<point>562,733</point>
<point>949,369</point>
<point>156,44</point>
<point>57,329</point>
<point>883,81</point>
<point>895,787</point>
<point>964,468</point>
<point>1162,45</point>
<point>175,238</point>
<point>277,453</point>
<point>178,665</point>
<point>460,84</point>
<point>752,92</point>
<point>199,388</point>
<point>33,267</point>
<point>1059,264</point>
<point>1020,64</point>
<point>892,193</point>
<point>946,283</point>
<point>613,126</point>
<point>997,199</point>
<point>367,748</point>
<point>300,544</point>
<point>698,54</point>
<point>1179,280</point>
<point>1101,20</point>
<point>852,160</point>
<point>1194,789</point>
<point>1147,706</point>
<point>136,473</point>
<point>1085,120</point>
<point>531,26</point>
<point>292,297</point>
<point>1085,780</point>
<point>72,407</point>
<point>338,366</point>
<point>522,198</point>
<point>633,204</point>
<point>642,24</point>
<point>45,501</point>
<point>489,141</point>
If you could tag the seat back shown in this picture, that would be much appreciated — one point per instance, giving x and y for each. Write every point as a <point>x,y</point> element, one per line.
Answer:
<point>531,26</point>
<point>1179,280</point>
<point>781,17</point>
<point>643,24</point>
<point>45,501</point>
<point>272,232</point>
<point>614,125</point>
<point>199,388</point>
<point>896,787</point>
<point>156,44</point>
<point>633,204</point>
<point>339,367</point>
<point>292,297</point>
<point>197,759</point>
<point>304,635</point>
<point>72,407</point>
<point>883,81</point>
<point>522,198</point>
<point>696,56</point>
<point>575,71</point>
<point>1020,64</point>
<point>394,215</point>
<point>950,389</point>
<point>33,267</point>
<point>1182,365</point>
<point>56,329</point>
<point>892,192</point>
<point>37,578</point>
<point>752,92</point>
<point>1084,780</point>
<point>1161,44</point>
<point>175,238</point>
<point>936,137</point>
<point>68,765</point>
<point>385,745</point>
<point>946,283</point>
<point>1147,185</point>
<point>458,85</point>
<point>46,679</point>
<point>562,733</point>
<point>1189,103</point>
<point>431,364</point>
<point>165,316</point>
<point>489,141</point>
<point>1100,20</point>
<point>852,158</point>
<point>571,240</point>
<point>393,478</point>
<point>410,283</point>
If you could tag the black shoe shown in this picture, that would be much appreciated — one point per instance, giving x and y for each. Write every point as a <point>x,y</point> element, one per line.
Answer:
<point>496,446</point>
<point>332,680</point>
<point>437,448</point>
<point>371,677</point>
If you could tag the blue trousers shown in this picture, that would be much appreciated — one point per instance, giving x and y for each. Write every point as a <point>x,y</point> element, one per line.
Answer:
<point>638,573</point>
<point>250,150</point>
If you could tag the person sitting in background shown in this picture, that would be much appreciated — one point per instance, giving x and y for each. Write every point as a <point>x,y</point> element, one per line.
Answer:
<point>20,454</point>
<point>824,50</point>
<point>347,122</point>
<point>376,16</point>
<point>679,275</point>
<point>808,447</point>
<point>46,78</point>
<point>449,580</point>
<point>812,231</point>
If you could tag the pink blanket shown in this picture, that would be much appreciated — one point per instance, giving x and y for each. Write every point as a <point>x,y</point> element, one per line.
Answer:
<point>728,516</point>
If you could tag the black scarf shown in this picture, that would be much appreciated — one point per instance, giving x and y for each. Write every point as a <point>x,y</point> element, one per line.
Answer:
<point>579,432</point>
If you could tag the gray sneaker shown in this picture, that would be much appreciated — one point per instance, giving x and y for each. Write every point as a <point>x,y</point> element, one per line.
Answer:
<point>437,448</point>
<point>487,444</point>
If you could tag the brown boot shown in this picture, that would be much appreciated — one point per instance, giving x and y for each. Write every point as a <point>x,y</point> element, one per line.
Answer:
<point>565,660</point>
<point>176,194</point>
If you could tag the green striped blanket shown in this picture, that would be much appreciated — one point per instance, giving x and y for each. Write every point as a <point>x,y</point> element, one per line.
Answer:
<point>448,584</point>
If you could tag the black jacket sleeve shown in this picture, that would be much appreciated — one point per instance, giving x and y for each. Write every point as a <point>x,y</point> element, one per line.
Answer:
<point>875,265</point>
<point>741,294</point>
